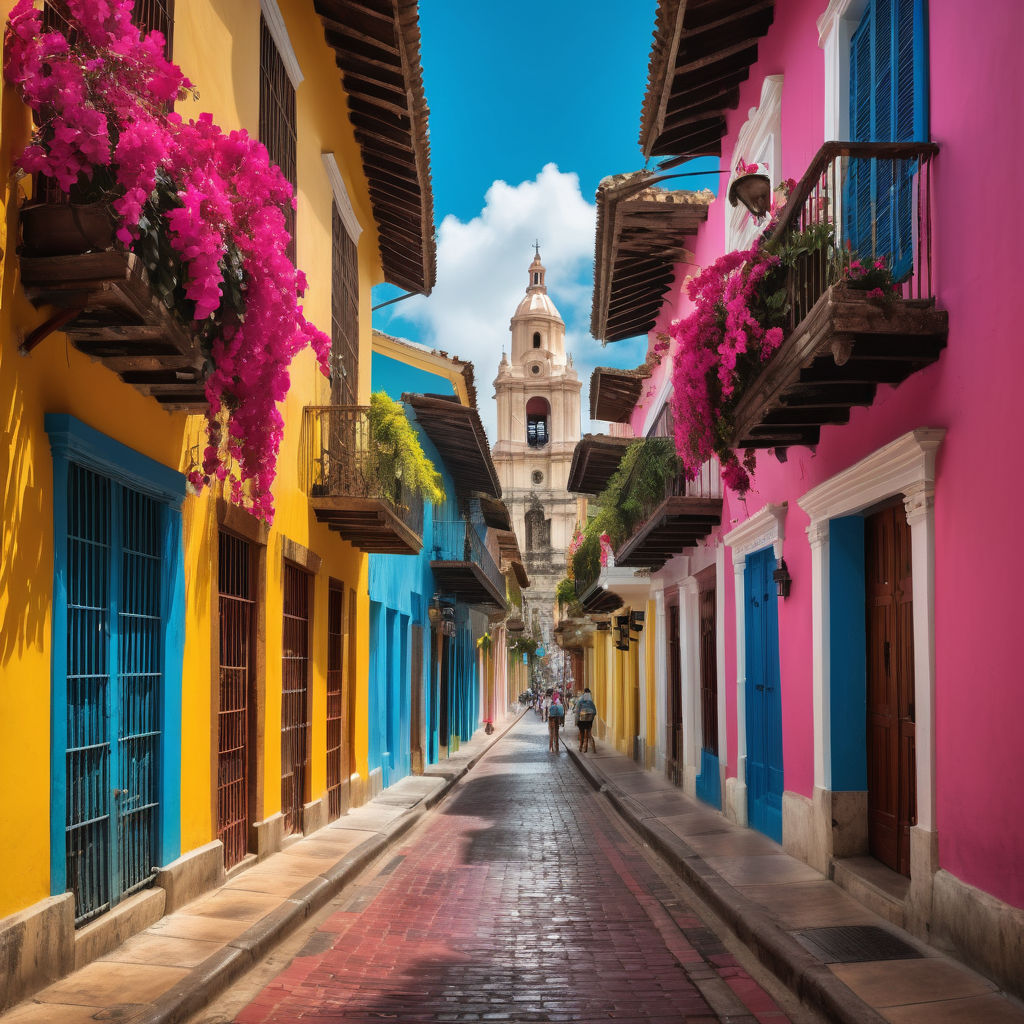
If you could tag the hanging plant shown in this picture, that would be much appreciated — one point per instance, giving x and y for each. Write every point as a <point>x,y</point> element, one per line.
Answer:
<point>396,455</point>
<point>484,644</point>
<point>202,208</point>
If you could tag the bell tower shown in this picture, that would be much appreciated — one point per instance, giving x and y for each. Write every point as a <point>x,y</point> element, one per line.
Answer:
<point>538,396</point>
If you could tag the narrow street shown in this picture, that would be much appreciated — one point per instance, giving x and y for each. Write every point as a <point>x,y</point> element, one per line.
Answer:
<point>521,899</point>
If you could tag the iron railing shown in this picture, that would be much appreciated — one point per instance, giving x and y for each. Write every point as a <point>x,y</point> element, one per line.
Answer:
<point>458,541</point>
<point>863,201</point>
<point>342,459</point>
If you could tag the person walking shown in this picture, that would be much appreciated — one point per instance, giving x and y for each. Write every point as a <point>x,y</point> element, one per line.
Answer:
<point>546,706</point>
<point>556,716</point>
<point>586,712</point>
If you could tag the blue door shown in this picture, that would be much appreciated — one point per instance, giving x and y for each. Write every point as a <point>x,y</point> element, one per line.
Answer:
<point>114,684</point>
<point>763,699</point>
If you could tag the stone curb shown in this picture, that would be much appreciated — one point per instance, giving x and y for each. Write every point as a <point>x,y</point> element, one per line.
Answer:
<point>218,971</point>
<point>793,965</point>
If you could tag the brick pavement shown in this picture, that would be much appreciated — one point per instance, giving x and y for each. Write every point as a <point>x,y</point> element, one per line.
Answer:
<point>519,901</point>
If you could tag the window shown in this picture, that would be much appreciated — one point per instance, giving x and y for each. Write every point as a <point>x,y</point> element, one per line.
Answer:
<point>888,101</point>
<point>277,118</point>
<point>344,315</point>
<point>536,278</point>
<point>537,412</point>
<point>158,15</point>
<point>536,339</point>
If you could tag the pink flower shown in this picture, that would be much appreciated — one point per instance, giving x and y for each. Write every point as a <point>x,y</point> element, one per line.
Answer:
<point>876,293</point>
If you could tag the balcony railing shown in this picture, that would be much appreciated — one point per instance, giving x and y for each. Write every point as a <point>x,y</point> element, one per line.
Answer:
<point>683,515</point>
<point>857,202</point>
<point>342,474</point>
<point>456,552</point>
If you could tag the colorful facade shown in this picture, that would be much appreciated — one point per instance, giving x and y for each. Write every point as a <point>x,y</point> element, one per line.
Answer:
<point>832,650</point>
<point>183,685</point>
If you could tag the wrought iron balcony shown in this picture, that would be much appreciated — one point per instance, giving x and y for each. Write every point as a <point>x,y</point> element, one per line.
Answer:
<point>338,452</point>
<point>867,202</point>
<point>463,567</point>
<point>680,518</point>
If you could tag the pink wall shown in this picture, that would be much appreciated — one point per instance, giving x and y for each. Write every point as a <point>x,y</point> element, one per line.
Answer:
<point>973,391</point>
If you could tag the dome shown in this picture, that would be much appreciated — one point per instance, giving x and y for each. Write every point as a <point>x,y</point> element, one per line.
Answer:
<point>537,303</point>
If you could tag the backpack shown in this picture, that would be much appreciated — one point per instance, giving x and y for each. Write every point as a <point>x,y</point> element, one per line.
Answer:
<point>586,709</point>
<point>556,711</point>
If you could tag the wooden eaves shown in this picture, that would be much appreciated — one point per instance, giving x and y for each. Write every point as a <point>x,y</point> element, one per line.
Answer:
<point>639,240</point>
<point>376,46</point>
<point>459,436</point>
<point>702,51</point>
<point>614,392</point>
<point>594,460</point>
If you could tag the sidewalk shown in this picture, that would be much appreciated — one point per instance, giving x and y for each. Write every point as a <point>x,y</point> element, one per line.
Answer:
<point>172,970</point>
<point>791,917</point>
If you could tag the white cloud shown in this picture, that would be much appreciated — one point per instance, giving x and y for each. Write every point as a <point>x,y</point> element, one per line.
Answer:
<point>482,274</point>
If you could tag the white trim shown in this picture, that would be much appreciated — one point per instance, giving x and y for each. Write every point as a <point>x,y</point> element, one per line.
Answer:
<point>279,32</point>
<point>905,467</point>
<point>689,636</point>
<point>835,31</point>
<point>341,199</point>
<point>764,527</point>
<point>664,391</point>
<point>660,672</point>
<point>758,141</point>
<point>723,732</point>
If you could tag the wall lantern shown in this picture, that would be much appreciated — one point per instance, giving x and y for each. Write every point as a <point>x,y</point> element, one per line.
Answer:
<point>636,622</point>
<point>753,189</point>
<point>782,578</point>
<point>447,620</point>
<point>604,625</point>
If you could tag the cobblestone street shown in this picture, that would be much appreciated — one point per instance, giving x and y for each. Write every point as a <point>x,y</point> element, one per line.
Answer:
<point>518,900</point>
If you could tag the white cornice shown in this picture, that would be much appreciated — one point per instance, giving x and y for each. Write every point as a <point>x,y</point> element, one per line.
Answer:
<point>767,526</point>
<point>341,199</point>
<point>900,466</point>
<point>275,23</point>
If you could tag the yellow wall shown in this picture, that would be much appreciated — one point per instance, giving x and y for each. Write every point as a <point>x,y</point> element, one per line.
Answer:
<point>217,46</point>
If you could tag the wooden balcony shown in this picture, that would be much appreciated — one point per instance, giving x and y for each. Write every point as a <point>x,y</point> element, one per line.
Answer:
<point>339,475</point>
<point>104,303</point>
<point>688,511</point>
<point>840,344</point>
<point>594,460</point>
<point>463,567</point>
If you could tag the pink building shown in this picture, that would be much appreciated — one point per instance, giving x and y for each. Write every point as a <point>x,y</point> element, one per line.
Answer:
<point>869,719</point>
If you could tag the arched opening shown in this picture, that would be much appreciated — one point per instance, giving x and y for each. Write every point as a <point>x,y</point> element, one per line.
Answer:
<point>536,277</point>
<point>537,413</point>
<point>536,339</point>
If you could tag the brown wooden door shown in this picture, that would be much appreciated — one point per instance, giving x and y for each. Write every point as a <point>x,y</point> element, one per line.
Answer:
<point>675,685</point>
<point>337,759</point>
<point>295,696</point>
<point>892,798</point>
<point>708,672</point>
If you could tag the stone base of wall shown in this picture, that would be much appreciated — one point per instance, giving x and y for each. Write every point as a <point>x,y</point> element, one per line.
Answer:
<point>269,835</point>
<point>314,816</point>
<point>117,926</point>
<point>37,947</point>
<point>984,932</point>
<point>375,783</point>
<point>689,781</point>
<point>735,802</point>
<point>190,876</point>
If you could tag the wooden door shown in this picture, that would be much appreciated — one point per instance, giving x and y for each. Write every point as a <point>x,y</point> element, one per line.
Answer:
<point>763,697</point>
<point>337,764</point>
<point>295,696</point>
<point>892,799</point>
<point>708,672</point>
<point>675,686</point>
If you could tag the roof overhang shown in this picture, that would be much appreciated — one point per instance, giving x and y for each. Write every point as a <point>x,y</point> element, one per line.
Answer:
<point>495,514</point>
<point>508,552</point>
<point>459,436</point>
<point>376,46</point>
<point>594,460</point>
<point>639,241</point>
<point>432,360</point>
<point>702,51</point>
<point>614,392</point>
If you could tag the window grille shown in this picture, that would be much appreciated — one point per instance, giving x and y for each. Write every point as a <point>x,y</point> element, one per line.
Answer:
<point>277,118</point>
<point>344,314</point>
<point>294,696</point>
<point>536,431</point>
<point>335,696</point>
<point>114,690</point>
<point>237,605</point>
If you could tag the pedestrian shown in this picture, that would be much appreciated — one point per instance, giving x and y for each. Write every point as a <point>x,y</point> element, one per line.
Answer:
<point>586,712</point>
<point>546,706</point>
<point>556,716</point>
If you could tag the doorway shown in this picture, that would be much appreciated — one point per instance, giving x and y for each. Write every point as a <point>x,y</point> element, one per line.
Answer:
<point>892,802</point>
<point>709,783</point>
<point>675,685</point>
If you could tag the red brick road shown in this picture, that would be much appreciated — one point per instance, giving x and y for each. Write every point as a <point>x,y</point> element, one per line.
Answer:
<point>518,901</point>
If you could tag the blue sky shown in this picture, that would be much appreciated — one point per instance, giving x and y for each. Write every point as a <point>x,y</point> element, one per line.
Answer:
<point>531,105</point>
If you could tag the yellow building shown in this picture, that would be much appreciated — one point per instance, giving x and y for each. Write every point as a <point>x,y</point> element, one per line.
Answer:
<point>182,685</point>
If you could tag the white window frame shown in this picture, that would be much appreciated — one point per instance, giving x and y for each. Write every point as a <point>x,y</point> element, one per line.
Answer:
<point>836,26</point>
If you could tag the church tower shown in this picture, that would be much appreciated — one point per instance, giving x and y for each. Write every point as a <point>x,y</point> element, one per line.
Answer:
<point>538,396</point>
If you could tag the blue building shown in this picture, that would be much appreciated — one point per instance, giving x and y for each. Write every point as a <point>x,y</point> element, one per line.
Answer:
<point>428,688</point>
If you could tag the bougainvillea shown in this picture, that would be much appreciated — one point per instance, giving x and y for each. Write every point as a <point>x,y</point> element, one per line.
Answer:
<point>189,196</point>
<point>735,327</point>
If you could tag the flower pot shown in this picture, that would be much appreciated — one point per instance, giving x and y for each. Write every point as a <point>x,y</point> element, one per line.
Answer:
<point>754,191</point>
<point>66,229</point>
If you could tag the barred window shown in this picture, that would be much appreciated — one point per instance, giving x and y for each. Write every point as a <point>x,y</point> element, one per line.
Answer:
<point>277,118</point>
<point>344,315</point>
